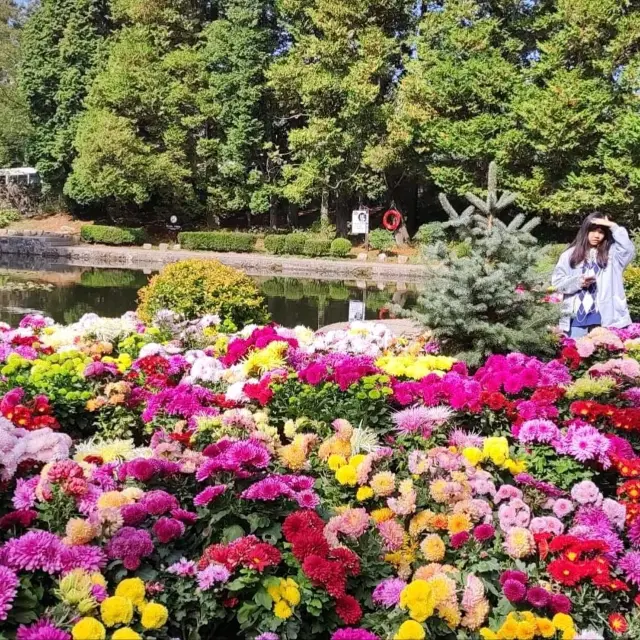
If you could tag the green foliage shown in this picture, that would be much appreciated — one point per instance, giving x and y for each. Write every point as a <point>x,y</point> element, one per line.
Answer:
<point>316,247</point>
<point>548,258</point>
<point>340,248</point>
<point>632,287</point>
<point>294,243</point>
<point>62,45</point>
<point>275,244</point>
<point>193,288</point>
<point>7,216</point>
<point>16,130</point>
<point>430,233</point>
<point>217,241</point>
<point>99,234</point>
<point>562,471</point>
<point>112,278</point>
<point>381,239</point>
<point>489,301</point>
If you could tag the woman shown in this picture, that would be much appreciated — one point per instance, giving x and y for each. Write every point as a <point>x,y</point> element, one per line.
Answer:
<point>589,275</point>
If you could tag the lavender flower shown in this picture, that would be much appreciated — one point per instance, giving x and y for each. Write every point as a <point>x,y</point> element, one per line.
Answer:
<point>387,593</point>
<point>8,589</point>
<point>212,574</point>
<point>41,630</point>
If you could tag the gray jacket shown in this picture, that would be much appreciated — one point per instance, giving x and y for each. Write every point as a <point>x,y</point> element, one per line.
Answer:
<point>611,299</point>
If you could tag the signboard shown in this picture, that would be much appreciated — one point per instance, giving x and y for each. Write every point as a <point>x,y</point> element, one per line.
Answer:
<point>356,310</point>
<point>360,221</point>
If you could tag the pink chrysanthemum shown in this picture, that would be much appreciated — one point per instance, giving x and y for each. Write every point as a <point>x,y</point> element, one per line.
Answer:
<point>8,589</point>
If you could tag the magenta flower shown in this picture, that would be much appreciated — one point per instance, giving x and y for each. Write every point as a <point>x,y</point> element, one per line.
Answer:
<point>130,545</point>
<point>458,540</point>
<point>33,551</point>
<point>159,502</point>
<point>560,603</point>
<point>8,589</point>
<point>538,597</point>
<point>484,532</point>
<point>168,529</point>
<point>514,591</point>
<point>41,630</point>
<point>630,566</point>
<point>354,634</point>
<point>133,514</point>
<point>208,495</point>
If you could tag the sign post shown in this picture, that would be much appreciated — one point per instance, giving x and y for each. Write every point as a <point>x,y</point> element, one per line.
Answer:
<point>360,224</point>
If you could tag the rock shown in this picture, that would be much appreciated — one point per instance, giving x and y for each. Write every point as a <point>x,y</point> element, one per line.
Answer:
<point>403,259</point>
<point>363,257</point>
<point>382,257</point>
<point>12,232</point>
<point>176,247</point>
<point>147,246</point>
<point>3,232</point>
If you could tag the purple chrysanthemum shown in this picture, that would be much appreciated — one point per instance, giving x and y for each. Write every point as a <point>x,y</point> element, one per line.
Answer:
<point>387,593</point>
<point>168,529</point>
<point>8,589</point>
<point>538,597</point>
<point>422,420</point>
<point>159,502</point>
<point>41,630</point>
<point>34,550</point>
<point>82,556</point>
<point>213,574</point>
<point>629,564</point>
<point>130,545</point>
<point>209,494</point>
<point>183,568</point>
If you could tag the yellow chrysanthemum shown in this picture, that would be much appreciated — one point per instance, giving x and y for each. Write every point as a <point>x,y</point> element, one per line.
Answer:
<point>336,461</point>
<point>496,449</point>
<point>562,622</point>
<point>274,591</point>
<point>433,548</point>
<point>112,499</point>
<point>383,483</point>
<point>116,610</point>
<point>356,461</point>
<point>382,515</point>
<point>545,627</point>
<point>132,589</point>
<point>473,455</point>
<point>410,630</point>
<point>526,630</point>
<point>458,522</point>
<point>364,493</point>
<point>347,476</point>
<point>487,634</point>
<point>282,610</point>
<point>126,633</point>
<point>79,531</point>
<point>154,616</point>
<point>133,493</point>
<point>88,628</point>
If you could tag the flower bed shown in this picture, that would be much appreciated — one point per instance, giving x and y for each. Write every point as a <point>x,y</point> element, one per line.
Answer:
<point>174,481</point>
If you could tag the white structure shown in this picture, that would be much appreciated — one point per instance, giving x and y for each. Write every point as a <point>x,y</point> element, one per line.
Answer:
<point>20,175</point>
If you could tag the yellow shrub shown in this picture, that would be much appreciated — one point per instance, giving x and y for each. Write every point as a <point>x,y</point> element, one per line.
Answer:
<point>194,288</point>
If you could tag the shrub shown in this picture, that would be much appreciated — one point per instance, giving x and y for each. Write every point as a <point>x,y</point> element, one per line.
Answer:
<point>275,244</point>
<point>549,257</point>
<point>217,241</point>
<point>316,247</point>
<point>7,216</point>
<point>294,243</point>
<point>430,233</point>
<point>340,248</point>
<point>462,249</point>
<point>381,239</point>
<point>632,286</point>
<point>194,288</point>
<point>99,234</point>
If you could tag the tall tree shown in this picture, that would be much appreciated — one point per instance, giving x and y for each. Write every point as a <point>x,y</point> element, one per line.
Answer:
<point>240,149</point>
<point>61,48</point>
<point>334,82</point>
<point>15,130</point>
<point>136,142</point>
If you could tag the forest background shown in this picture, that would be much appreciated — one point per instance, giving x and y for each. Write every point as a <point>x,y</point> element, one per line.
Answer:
<point>246,112</point>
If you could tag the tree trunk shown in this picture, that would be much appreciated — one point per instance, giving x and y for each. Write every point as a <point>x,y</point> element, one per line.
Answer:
<point>273,213</point>
<point>324,208</point>
<point>292,215</point>
<point>342,216</point>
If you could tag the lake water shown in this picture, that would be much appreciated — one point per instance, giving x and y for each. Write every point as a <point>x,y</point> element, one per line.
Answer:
<point>65,293</point>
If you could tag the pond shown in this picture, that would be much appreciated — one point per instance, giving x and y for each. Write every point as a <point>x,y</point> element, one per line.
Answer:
<point>65,293</point>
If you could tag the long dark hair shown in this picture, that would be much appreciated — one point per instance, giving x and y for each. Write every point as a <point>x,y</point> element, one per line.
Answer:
<point>582,247</point>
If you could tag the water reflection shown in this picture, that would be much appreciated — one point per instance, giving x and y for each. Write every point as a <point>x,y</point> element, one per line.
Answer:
<point>66,293</point>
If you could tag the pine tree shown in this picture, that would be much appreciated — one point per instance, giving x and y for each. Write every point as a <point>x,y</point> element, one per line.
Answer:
<point>61,47</point>
<point>240,148</point>
<point>489,300</point>
<point>15,129</point>
<point>136,142</point>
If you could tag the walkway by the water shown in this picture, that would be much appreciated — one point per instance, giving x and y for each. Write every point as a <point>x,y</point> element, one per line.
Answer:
<point>399,328</point>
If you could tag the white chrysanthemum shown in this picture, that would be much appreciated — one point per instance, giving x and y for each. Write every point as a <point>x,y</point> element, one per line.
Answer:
<point>108,450</point>
<point>59,337</point>
<point>105,329</point>
<point>235,392</point>
<point>207,369</point>
<point>363,440</point>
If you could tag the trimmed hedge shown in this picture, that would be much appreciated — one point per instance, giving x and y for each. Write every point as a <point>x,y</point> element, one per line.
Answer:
<point>294,243</point>
<point>100,234</point>
<point>275,244</point>
<point>217,241</point>
<point>340,248</point>
<point>316,247</point>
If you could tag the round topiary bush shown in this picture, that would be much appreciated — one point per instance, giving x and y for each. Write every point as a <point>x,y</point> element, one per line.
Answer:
<point>294,243</point>
<point>194,288</point>
<point>340,248</point>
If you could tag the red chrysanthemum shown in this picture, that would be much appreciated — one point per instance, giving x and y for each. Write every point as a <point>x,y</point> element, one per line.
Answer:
<point>348,559</point>
<point>348,609</point>
<point>618,623</point>
<point>565,572</point>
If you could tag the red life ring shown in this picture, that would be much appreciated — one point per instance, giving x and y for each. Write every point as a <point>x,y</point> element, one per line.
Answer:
<point>391,220</point>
